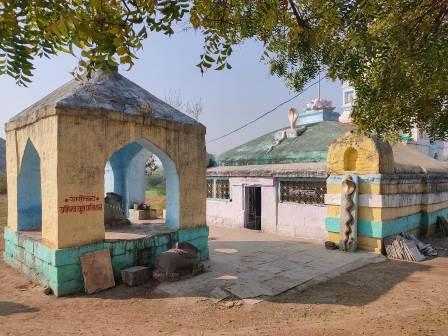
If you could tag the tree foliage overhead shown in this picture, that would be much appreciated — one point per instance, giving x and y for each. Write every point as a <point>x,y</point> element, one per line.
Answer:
<point>394,52</point>
<point>107,32</point>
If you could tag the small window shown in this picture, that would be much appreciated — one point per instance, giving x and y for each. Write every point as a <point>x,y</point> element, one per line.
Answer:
<point>218,188</point>
<point>210,188</point>
<point>222,189</point>
<point>303,192</point>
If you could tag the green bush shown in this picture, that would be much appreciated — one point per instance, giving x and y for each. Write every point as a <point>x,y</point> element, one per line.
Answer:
<point>156,184</point>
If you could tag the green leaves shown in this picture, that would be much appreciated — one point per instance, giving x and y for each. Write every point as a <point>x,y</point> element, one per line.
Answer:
<point>107,33</point>
<point>394,52</point>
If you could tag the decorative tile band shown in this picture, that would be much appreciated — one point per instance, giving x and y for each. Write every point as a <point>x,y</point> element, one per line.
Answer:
<point>393,184</point>
<point>392,200</point>
<point>392,178</point>
<point>383,214</point>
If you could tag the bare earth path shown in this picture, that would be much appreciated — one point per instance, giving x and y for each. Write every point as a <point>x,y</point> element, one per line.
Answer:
<point>389,298</point>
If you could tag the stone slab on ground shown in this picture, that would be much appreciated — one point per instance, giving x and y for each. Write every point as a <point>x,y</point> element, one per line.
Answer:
<point>97,271</point>
<point>135,276</point>
<point>252,265</point>
<point>219,294</point>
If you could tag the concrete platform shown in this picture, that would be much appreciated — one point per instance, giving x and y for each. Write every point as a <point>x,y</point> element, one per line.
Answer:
<point>130,245</point>
<point>137,230</point>
<point>250,264</point>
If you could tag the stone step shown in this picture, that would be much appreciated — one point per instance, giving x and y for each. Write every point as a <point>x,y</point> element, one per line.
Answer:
<point>135,276</point>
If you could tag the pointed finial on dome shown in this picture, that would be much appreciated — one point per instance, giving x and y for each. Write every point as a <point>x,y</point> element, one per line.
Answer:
<point>292,116</point>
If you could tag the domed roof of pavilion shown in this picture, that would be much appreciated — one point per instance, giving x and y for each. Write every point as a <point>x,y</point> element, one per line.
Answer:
<point>104,92</point>
<point>311,145</point>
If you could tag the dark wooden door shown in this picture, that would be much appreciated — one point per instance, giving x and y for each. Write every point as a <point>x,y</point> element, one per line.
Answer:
<point>253,208</point>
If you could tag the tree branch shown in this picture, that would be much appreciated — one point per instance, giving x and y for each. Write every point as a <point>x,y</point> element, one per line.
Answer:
<point>302,23</point>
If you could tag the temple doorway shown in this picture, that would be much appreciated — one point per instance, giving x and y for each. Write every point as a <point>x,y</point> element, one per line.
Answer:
<point>253,208</point>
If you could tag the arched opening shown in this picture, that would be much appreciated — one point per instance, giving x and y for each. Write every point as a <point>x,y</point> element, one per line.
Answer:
<point>141,186</point>
<point>29,193</point>
<point>350,159</point>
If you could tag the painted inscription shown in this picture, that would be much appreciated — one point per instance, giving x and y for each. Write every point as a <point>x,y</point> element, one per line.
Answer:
<point>77,204</point>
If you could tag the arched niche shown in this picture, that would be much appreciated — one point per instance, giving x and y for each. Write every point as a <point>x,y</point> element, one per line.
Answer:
<point>350,159</point>
<point>360,154</point>
<point>125,175</point>
<point>29,190</point>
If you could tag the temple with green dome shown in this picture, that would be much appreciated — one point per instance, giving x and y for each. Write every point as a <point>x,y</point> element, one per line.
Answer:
<point>291,182</point>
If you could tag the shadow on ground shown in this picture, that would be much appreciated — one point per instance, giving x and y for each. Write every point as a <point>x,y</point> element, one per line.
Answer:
<point>10,308</point>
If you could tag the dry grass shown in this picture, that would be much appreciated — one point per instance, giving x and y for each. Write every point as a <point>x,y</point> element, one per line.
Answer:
<point>157,202</point>
<point>3,210</point>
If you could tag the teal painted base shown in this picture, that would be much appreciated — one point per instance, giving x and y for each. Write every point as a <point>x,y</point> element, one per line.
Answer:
<point>61,269</point>
<point>380,229</point>
<point>196,236</point>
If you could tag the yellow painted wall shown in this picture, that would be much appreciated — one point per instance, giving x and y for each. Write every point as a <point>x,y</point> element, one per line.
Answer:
<point>359,154</point>
<point>364,243</point>
<point>84,150</point>
<point>43,135</point>
<point>74,146</point>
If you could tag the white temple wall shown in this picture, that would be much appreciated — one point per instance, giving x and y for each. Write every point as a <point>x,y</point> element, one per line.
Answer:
<point>287,219</point>
<point>269,201</point>
<point>227,213</point>
<point>302,221</point>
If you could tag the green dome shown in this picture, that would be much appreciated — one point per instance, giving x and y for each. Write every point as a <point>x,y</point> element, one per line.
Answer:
<point>310,146</point>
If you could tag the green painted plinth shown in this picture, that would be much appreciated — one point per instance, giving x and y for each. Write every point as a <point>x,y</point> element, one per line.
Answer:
<point>421,221</point>
<point>196,236</point>
<point>61,269</point>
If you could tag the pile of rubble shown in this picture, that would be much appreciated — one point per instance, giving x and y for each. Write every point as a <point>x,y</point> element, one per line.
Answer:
<point>407,247</point>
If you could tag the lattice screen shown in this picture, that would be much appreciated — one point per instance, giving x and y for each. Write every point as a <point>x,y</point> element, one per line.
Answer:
<point>222,189</point>
<point>209,188</point>
<point>304,192</point>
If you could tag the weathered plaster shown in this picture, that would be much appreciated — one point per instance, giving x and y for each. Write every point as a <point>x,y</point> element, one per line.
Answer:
<point>75,142</point>
<point>60,269</point>
<point>359,154</point>
<point>43,136</point>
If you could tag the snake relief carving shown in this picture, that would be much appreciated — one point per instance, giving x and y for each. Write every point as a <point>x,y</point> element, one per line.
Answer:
<point>348,188</point>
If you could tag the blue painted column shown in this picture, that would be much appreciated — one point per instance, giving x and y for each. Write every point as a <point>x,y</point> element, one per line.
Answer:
<point>120,163</point>
<point>137,177</point>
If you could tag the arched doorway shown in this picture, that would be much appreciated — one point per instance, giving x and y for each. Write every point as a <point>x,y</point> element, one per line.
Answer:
<point>29,194</point>
<point>125,176</point>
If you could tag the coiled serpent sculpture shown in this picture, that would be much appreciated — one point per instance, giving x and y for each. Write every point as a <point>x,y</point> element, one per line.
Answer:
<point>348,187</point>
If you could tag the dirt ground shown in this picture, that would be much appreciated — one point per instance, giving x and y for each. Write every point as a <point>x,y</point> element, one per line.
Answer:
<point>389,298</point>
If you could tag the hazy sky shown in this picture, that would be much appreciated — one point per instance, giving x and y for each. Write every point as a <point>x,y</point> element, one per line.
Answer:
<point>230,98</point>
